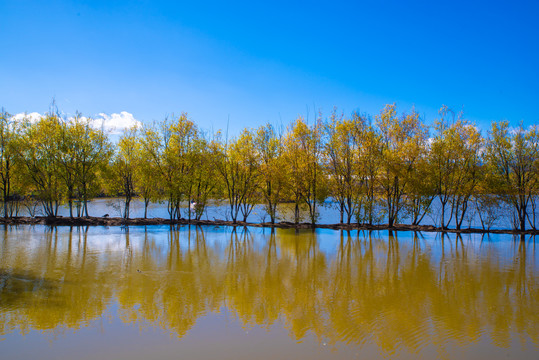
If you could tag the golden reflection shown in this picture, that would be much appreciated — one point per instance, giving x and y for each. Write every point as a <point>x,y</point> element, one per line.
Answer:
<point>373,288</point>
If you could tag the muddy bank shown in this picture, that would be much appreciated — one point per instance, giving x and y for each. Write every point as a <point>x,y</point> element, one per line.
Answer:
<point>116,221</point>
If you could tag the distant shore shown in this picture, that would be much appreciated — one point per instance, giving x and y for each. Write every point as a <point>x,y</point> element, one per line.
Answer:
<point>118,221</point>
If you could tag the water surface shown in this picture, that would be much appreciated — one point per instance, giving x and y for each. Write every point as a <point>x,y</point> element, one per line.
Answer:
<point>187,292</point>
<point>328,213</point>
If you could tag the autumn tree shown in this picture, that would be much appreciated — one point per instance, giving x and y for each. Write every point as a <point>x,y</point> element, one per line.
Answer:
<point>8,166</point>
<point>238,165</point>
<point>66,158</point>
<point>420,190</point>
<point>202,182</point>
<point>454,164</point>
<point>402,141</point>
<point>513,156</point>
<point>124,168</point>
<point>38,151</point>
<point>93,152</point>
<point>369,146</point>
<point>171,148</point>
<point>272,179</point>
<point>63,158</point>
<point>83,152</point>
<point>303,153</point>
<point>148,186</point>
<point>341,150</point>
<point>470,147</point>
<point>152,141</point>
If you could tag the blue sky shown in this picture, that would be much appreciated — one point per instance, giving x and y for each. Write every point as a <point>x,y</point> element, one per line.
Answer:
<point>254,62</point>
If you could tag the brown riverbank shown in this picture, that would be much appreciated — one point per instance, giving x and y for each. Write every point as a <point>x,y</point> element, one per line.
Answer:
<point>116,221</point>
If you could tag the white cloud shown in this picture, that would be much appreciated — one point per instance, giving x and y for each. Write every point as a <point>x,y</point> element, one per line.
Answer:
<point>116,123</point>
<point>113,124</point>
<point>33,117</point>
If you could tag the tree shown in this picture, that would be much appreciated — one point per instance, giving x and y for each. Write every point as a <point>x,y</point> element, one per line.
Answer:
<point>148,185</point>
<point>38,151</point>
<point>272,179</point>
<point>66,158</point>
<point>8,166</point>
<point>341,151</point>
<point>403,139</point>
<point>469,146</point>
<point>513,156</point>
<point>92,151</point>
<point>303,151</point>
<point>420,191</point>
<point>203,181</point>
<point>238,165</point>
<point>170,150</point>
<point>124,167</point>
<point>455,162</point>
<point>63,158</point>
<point>368,171</point>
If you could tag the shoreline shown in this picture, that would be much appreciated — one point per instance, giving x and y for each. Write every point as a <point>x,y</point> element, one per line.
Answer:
<point>117,221</point>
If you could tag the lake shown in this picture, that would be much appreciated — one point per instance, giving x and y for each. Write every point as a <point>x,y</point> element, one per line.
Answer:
<point>198,293</point>
<point>502,218</point>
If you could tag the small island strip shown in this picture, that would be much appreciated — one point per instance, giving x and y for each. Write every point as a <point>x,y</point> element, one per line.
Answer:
<point>119,221</point>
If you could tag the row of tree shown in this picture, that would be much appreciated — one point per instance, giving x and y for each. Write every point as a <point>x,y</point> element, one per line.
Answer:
<point>389,168</point>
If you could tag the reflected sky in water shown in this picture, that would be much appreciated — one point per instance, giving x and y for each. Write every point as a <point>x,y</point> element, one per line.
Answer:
<point>191,292</point>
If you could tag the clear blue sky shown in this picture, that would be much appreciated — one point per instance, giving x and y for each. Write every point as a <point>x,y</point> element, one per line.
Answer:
<point>257,62</point>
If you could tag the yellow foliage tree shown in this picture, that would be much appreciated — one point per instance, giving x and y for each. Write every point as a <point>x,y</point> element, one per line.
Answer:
<point>272,179</point>
<point>306,178</point>
<point>513,159</point>
<point>403,139</point>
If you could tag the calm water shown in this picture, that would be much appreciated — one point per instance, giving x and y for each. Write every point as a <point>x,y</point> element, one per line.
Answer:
<point>328,214</point>
<point>139,293</point>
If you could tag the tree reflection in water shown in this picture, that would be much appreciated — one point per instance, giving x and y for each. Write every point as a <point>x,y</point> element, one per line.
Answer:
<point>372,288</point>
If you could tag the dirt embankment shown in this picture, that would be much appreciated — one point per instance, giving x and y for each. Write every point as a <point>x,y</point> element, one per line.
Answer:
<point>116,221</point>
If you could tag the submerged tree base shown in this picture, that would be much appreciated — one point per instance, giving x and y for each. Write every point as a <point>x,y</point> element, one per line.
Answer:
<point>118,221</point>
